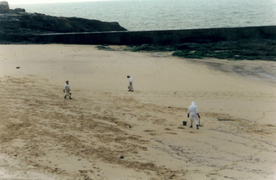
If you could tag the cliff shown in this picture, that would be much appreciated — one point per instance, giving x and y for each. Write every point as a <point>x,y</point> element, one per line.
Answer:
<point>17,21</point>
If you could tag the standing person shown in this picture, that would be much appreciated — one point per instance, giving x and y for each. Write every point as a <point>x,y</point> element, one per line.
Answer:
<point>67,90</point>
<point>193,114</point>
<point>130,87</point>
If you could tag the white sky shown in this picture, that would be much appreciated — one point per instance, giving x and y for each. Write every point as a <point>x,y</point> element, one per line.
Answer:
<point>44,1</point>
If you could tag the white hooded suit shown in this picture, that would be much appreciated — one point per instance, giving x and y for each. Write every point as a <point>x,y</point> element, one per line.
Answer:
<point>193,111</point>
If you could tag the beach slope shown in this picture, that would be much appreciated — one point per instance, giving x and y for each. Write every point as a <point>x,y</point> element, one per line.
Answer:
<point>108,133</point>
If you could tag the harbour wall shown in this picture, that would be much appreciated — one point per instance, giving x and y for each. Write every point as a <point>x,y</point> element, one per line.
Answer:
<point>164,37</point>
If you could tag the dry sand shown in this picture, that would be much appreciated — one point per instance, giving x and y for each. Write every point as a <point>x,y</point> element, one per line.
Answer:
<point>43,136</point>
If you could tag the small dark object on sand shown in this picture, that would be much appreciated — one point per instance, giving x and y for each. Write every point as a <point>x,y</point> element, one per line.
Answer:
<point>129,126</point>
<point>226,119</point>
<point>122,157</point>
<point>18,67</point>
<point>184,123</point>
<point>169,107</point>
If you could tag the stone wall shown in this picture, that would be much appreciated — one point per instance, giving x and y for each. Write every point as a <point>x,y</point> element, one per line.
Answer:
<point>166,37</point>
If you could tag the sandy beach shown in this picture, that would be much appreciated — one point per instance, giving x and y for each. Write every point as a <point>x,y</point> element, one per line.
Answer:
<point>44,136</point>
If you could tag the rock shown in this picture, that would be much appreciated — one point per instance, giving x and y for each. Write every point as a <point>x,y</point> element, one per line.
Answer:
<point>143,47</point>
<point>17,23</point>
<point>4,7</point>
<point>151,47</point>
<point>193,46</point>
<point>19,10</point>
<point>187,46</point>
<point>105,48</point>
<point>225,45</point>
<point>254,49</point>
<point>63,25</point>
<point>248,52</point>
<point>86,25</point>
<point>189,54</point>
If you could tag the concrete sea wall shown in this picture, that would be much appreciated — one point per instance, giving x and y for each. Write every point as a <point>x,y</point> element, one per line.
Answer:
<point>165,37</point>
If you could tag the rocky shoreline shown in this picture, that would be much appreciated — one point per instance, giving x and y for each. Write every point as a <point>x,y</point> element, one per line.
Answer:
<point>249,43</point>
<point>17,22</point>
<point>231,50</point>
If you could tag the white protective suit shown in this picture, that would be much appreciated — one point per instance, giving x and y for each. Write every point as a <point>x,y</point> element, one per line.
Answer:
<point>130,87</point>
<point>192,111</point>
<point>67,90</point>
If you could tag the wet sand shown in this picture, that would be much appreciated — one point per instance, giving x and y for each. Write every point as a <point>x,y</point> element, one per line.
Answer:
<point>44,136</point>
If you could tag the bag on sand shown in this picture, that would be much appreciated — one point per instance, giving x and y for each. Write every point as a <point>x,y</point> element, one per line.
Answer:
<point>129,87</point>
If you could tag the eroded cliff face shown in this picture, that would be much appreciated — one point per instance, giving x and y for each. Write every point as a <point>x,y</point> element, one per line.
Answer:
<point>19,22</point>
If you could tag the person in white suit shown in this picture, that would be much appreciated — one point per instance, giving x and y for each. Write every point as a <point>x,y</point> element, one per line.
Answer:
<point>66,90</point>
<point>130,86</point>
<point>193,114</point>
